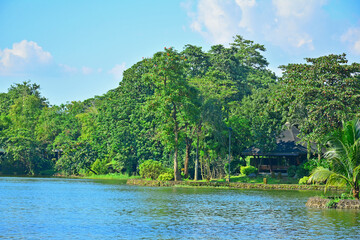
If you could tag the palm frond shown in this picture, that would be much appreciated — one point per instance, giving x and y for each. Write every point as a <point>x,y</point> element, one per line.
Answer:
<point>356,174</point>
<point>320,174</point>
<point>337,180</point>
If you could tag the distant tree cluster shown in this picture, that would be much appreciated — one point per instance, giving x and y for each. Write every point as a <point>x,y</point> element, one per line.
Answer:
<point>176,108</point>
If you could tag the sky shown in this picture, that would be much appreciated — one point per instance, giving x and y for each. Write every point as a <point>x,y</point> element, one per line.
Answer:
<point>76,50</point>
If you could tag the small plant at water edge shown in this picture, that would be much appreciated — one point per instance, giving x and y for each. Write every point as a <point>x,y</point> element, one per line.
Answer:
<point>304,180</point>
<point>151,169</point>
<point>247,170</point>
<point>333,203</point>
<point>166,176</point>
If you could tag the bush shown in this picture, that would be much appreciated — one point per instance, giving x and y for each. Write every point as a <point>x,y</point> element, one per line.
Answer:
<point>291,171</point>
<point>346,196</point>
<point>333,203</point>
<point>304,180</point>
<point>247,170</point>
<point>151,169</point>
<point>166,176</point>
<point>234,166</point>
<point>100,166</point>
<point>298,171</point>
<point>301,171</point>
<point>313,163</point>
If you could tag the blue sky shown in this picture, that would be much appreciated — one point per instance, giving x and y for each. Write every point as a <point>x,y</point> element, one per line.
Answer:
<point>78,49</point>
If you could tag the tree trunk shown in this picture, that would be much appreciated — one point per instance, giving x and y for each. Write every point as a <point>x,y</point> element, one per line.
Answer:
<point>308,150</point>
<point>197,159</point>
<point>319,151</point>
<point>356,193</point>
<point>177,176</point>
<point>187,156</point>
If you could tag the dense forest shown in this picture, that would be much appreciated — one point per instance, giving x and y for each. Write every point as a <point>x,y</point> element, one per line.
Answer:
<point>178,108</point>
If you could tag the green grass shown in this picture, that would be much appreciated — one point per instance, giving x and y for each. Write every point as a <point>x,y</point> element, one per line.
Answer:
<point>112,176</point>
<point>258,179</point>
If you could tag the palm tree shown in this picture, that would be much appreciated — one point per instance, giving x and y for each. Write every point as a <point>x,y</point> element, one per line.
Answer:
<point>344,158</point>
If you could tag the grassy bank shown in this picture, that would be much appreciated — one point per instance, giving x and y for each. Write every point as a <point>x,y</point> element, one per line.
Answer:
<point>111,176</point>
<point>258,179</point>
<point>224,184</point>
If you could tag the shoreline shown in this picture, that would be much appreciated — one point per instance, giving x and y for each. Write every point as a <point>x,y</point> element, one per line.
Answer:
<point>236,185</point>
<point>199,184</point>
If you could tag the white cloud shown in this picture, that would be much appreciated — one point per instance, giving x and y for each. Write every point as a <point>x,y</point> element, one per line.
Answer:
<point>214,20</point>
<point>118,70</point>
<point>291,23</point>
<point>74,70</point>
<point>87,70</point>
<point>352,36</point>
<point>283,23</point>
<point>23,56</point>
<point>247,14</point>
<point>300,9</point>
<point>68,69</point>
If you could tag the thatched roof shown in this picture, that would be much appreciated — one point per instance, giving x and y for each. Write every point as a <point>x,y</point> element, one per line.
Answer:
<point>287,144</point>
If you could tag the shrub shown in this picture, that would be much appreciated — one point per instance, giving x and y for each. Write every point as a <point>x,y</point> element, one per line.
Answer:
<point>291,171</point>
<point>166,176</point>
<point>301,171</point>
<point>313,163</point>
<point>247,170</point>
<point>234,166</point>
<point>304,180</point>
<point>333,203</point>
<point>151,169</point>
<point>346,196</point>
<point>100,166</point>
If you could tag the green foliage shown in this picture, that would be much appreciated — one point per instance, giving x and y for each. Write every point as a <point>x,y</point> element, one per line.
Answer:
<point>346,196</point>
<point>313,163</point>
<point>344,157</point>
<point>151,169</point>
<point>234,166</point>
<point>304,180</point>
<point>319,95</point>
<point>332,203</point>
<point>263,123</point>
<point>291,171</point>
<point>100,166</point>
<point>166,176</point>
<point>247,170</point>
<point>301,171</point>
<point>178,108</point>
<point>298,171</point>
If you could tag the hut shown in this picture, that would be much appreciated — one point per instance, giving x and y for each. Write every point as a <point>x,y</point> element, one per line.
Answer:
<point>288,152</point>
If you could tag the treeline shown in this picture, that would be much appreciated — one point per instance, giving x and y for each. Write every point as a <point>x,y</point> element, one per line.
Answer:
<point>178,108</point>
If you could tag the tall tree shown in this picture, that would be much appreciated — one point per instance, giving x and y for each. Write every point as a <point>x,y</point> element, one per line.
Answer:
<point>320,94</point>
<point>172,99</point>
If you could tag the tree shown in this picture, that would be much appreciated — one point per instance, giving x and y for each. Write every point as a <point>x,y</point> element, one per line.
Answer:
<point>172,99</point>
<point>125,133</point>
<point>261,123</point>
<point>24,151</point>
<point>319,95</point>
<point>344,158</point>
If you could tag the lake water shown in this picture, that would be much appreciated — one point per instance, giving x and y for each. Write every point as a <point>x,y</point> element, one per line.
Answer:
<point>53,208</point>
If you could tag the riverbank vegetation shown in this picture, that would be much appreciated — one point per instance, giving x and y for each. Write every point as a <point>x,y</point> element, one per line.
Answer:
<point>344,159</point>
<point>178,109</point>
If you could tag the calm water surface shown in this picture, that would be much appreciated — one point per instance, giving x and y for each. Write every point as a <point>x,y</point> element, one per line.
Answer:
<point>51,208</point>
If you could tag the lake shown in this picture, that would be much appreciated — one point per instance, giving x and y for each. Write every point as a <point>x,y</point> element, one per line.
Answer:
<point>57,208</point>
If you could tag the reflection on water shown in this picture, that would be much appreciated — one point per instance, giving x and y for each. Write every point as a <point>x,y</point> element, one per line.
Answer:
<point>51,208</point>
